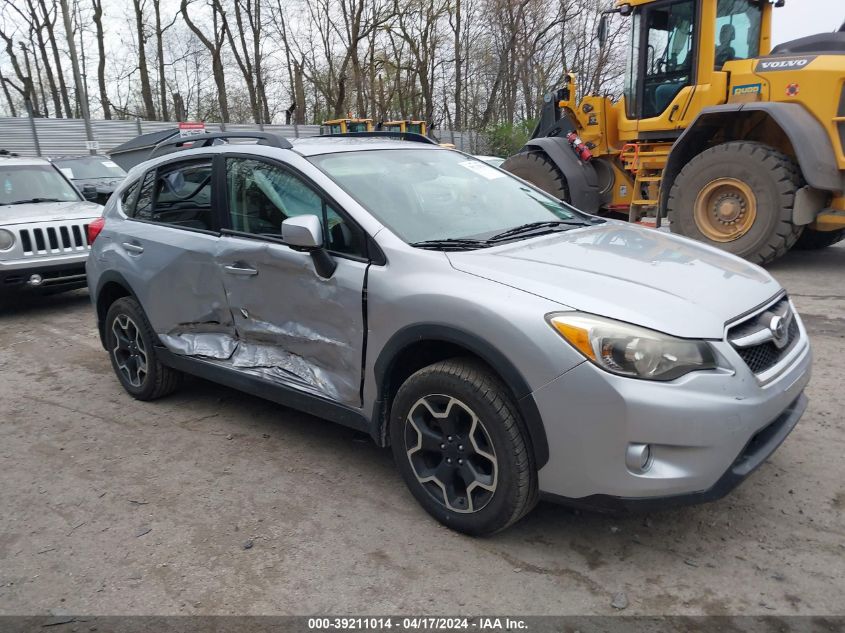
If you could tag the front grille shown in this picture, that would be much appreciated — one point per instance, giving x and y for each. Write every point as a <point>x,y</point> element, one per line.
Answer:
<point>60,237</point>
<point>761,357</point>
<point>754,342</point>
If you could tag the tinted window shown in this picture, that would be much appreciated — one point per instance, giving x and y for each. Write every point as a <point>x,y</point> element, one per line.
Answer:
<point>127,200</point>
<point>737,30</point>
<point>144,205</point>
<point>181,195</point>
<point>262,196</point>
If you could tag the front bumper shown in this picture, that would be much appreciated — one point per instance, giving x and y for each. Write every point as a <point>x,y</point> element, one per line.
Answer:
<point>707,432</point>
<point>66,274</point>
<point>753,455</point>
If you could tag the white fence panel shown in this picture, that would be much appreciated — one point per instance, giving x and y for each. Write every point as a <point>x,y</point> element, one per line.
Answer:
<point>16,136</point>
<point>58,137</point>
<point>61,137</point>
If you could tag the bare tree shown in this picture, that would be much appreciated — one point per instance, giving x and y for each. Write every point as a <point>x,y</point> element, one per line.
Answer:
<point>26,87</point>
<point>49,22</point>
<point>146,88</point>
<point>101,57</point>
<point>215,48</point>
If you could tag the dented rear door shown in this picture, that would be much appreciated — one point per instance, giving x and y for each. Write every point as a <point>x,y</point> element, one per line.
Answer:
<point>168,244</point>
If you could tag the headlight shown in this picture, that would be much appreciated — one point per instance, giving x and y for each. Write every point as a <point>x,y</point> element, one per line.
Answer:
<point>7,240</point>
<point>628,350</point>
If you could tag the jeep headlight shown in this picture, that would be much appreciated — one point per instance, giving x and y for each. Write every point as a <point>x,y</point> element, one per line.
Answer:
<point>7,240</point>
<point>629,350</point>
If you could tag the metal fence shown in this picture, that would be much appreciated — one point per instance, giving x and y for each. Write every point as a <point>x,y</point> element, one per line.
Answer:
<point>62,137</point>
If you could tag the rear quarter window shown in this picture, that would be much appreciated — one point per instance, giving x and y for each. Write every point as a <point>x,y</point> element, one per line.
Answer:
<point>129,197</point>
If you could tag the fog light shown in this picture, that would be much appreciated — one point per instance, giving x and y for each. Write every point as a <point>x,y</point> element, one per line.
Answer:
<point>638,458</point>
<point>35,280</point>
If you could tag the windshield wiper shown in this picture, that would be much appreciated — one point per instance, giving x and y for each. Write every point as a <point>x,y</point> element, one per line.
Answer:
<point>35,201</point>
<point>533,226</point>
<point>454,244</point>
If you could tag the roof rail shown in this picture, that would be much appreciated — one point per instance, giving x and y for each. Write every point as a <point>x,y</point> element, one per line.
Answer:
<point>402,136</point>
<point>205,140</point>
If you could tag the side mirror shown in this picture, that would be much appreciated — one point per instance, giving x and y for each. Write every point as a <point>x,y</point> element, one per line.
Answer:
<point>601,31</point>
<point>305,232</point>
<point>89,192</point>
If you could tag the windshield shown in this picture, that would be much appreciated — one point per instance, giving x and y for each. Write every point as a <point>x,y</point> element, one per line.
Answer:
<point>25,183</point>
<point>82,168</point>
<point>439,194</point>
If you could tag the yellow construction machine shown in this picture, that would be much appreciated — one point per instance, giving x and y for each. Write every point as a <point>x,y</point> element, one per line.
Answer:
<point>344,126</point>
<point>739,144</point>
<point>417,127</point>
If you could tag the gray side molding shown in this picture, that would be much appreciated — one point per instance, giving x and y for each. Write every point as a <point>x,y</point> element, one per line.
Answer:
<point>581,177</point>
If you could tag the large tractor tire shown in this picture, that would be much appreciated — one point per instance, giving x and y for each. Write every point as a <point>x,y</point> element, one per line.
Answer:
<point>540,171</point>
<point>811,240</point>
<point>738,196</point>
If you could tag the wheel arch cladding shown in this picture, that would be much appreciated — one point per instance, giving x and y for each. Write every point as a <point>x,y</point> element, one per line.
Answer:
<point>110,287</point>
<point>805,136</point>
<point>418,346</point>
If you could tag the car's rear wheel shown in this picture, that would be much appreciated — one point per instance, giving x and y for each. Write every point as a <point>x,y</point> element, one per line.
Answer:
<point>130,341</point>
<point>459,442</point>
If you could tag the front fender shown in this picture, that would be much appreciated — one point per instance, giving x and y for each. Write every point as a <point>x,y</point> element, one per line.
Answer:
<point>581,177</point>
<point>487,352</point>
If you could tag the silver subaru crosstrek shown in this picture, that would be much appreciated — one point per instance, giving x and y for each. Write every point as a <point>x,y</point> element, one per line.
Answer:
<point>503,344</point>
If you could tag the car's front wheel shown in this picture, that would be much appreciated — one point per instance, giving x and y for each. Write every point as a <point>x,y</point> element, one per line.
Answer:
<point>130,341</point>
<point>459,443</point>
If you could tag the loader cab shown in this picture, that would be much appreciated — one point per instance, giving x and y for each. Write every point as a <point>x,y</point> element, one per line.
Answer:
<point>676,53</point>
<point>409,125</point>
<point>343,126</point>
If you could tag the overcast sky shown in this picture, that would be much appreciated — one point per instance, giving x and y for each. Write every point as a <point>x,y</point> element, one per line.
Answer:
<point>806,17</point>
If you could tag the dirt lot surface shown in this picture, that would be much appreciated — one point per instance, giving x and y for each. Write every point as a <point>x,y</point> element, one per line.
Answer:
<point>214,502</point>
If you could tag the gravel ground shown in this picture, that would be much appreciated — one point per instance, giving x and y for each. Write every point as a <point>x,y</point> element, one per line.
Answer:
<point>214,502</point>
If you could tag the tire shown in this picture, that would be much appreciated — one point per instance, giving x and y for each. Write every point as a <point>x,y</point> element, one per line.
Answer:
<point>771,179</point>
<point>540,171</point>
<point>129,340</point>
<point>479,421</point>
<point>811,240</point>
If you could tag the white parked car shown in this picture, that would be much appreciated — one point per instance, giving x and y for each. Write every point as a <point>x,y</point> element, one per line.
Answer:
<point>43,227</point>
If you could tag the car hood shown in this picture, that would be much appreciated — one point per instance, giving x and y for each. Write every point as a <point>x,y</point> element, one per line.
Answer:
<point>633,274</point>
<point>48,212</point>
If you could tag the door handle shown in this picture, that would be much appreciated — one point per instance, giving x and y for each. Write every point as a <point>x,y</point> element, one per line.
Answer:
<point>133,248</point>
<point>672,113</point>
<point>237,270</point>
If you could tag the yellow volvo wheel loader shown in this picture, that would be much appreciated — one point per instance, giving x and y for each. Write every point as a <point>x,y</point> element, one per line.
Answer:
<point>408,125</point>
<point>739,144</point>
<point>344,126</point>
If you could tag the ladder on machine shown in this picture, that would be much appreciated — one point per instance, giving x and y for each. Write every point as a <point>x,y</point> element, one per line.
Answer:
<point>646,162</point>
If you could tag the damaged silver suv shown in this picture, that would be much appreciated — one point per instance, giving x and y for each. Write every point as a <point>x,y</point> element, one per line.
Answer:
<point>502,343</point>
